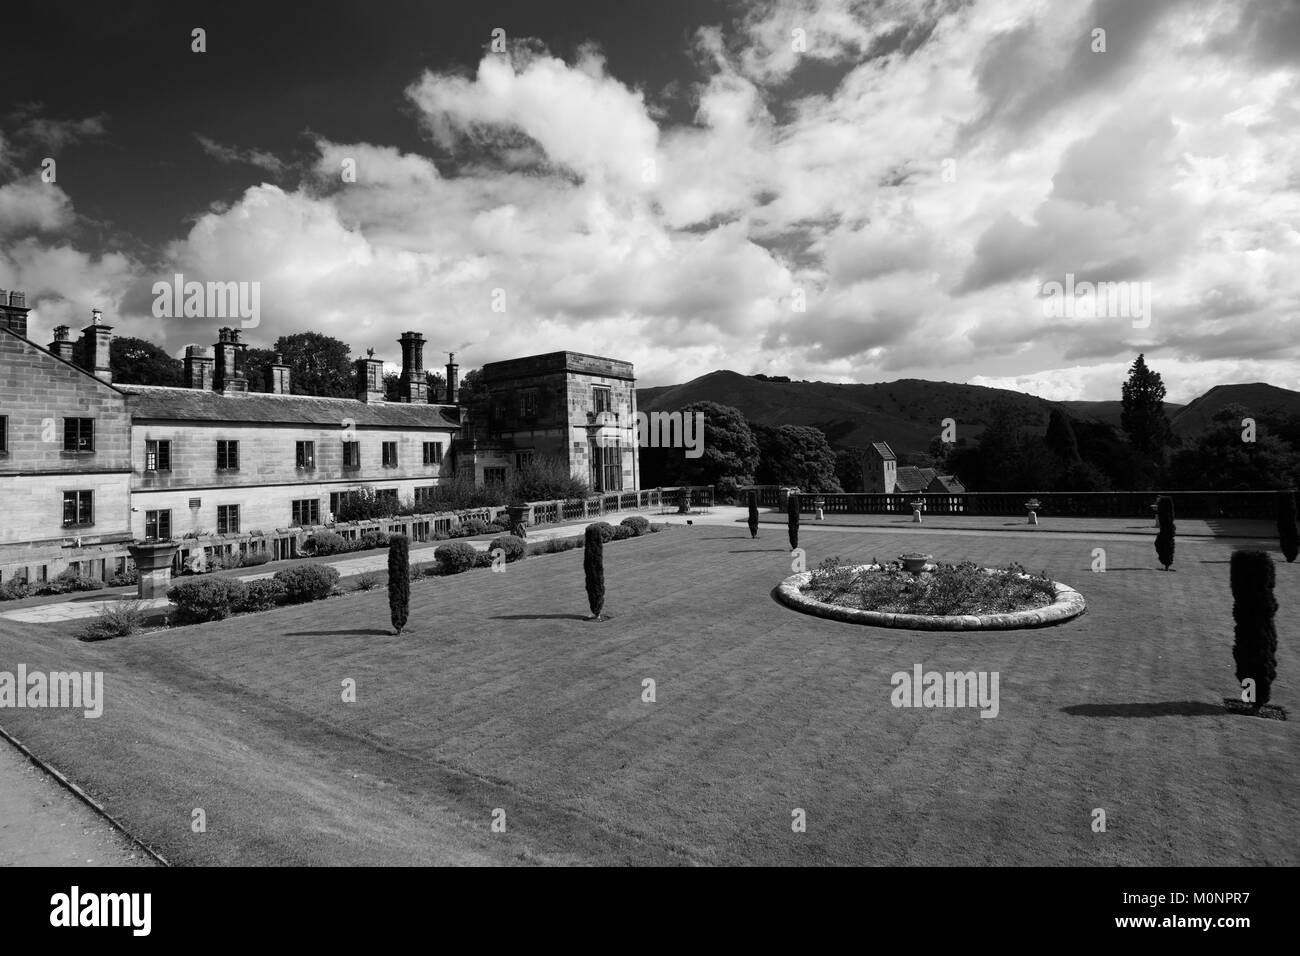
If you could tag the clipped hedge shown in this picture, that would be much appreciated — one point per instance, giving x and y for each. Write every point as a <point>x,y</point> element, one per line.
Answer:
<point>514,548</point>
<point>606,530</point>
<point>307,582</point>
<point>329,542</point>
<point>455,557</point>
<point>207,599</point>
<point>638,524</point>
<point>263,594</point>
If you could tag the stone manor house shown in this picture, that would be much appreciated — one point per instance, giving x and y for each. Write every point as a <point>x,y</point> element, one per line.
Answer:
<point>88,466</point>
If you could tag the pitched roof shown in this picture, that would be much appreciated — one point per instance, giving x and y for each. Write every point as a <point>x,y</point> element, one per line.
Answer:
<point>194,404</point>
<point>909,479</point>
<point>884,451</point>
<point>950,483</point>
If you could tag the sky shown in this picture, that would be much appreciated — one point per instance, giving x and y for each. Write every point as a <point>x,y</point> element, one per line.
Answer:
<point>830,190</point>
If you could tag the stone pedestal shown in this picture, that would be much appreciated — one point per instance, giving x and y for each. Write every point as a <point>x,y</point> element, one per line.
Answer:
<point>1033,517</point>
<point>916,516</point>
<point>154,562</point>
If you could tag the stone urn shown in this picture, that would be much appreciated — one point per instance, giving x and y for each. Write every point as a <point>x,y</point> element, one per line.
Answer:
<point>520,515</point>
<point>917,506</point>
<point>1032,506</point>
<point>914,561</point>
<point>819,505</point>
<point>153,559</point>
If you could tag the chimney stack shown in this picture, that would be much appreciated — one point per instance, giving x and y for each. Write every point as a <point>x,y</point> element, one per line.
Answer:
<point>13,311</point>
<point>229,373</point>
<point>277,376</point>
<point>453,380</point>
<point>413,385</point>
<point>95,339</point>
<point>199,370</point>
<point>62,346</point>
<point>370,378</point>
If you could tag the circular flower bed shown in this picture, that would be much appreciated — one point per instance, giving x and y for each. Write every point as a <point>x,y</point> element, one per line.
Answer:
<point>968,598</point>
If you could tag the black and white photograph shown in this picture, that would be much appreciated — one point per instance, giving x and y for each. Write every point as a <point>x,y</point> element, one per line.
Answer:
<point>807,434</point>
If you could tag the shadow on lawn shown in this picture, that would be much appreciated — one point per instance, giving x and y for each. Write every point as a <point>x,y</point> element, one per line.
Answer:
<point>539,617</point>
<point>358,632</point>
<point>1167,708</point>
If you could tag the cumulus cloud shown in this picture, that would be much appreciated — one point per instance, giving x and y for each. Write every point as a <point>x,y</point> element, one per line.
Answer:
<point>887,201</point>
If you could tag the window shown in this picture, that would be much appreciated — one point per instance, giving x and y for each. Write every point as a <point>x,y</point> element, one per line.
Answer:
<point>528,403</point>
<point>227,519</point>
<point>424,496</point>
<point>386,494</point>
<point>390,454</point>
<point>494,476</point>
<point>433,453</point>
<point>523,459</point>
<point>606,468</point>
<point>4,434</point>
<point>157,456</point>
<point>602,399</point>
<point>157,525</point>
<point>352,454</point>
<point>78,508</point>
<point>79,434</point>
<point>305,456</point>
<point>228,456</point>
<point>306,511</point>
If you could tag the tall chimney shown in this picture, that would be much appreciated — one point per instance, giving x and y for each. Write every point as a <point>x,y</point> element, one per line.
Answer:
<point>229,374</point>
<point>62,346</point>
<point>453,380</point>
<point>95,339</point>
<point>413,385</point>
<point>370,378</point>
<point>13,311</point>
<point>199,370</point>
<point>276,376</point>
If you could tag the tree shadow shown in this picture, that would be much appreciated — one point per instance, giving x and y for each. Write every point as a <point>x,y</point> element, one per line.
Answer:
<point>540,617</point>
<point>355,632</point>
<point>1167,708</point>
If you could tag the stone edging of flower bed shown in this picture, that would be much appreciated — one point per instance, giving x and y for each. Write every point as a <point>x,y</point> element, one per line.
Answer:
<point>1069,603</point>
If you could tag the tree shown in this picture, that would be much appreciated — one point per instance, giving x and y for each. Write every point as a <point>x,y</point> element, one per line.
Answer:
<point>1143,419</point>
<point>138,362</point>
<point>796,455</point>
<point>1254,646</point>
<point>1288,534</point>
<point>318,364</point>
<point>1220,460</point>
<point>1060,439</point>
<point>471,384</point>
<point>727,445</point>
<point>753,513</point>
<point>792,520</point>
<point>399,580</point>
<point>593,567</point>
<point>1165,536</point>
<point>848,469</point>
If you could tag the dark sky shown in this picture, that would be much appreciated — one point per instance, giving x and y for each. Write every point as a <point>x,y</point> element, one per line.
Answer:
<point>273,72</point>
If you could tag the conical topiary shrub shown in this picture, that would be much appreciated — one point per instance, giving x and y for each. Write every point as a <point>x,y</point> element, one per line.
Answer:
<point>399,580</point>
<point>1254,637</point>
<point>792,519</point>
<point>1165,536</point>
<point>593,566</point>
<point>753,513</point>
<point>1288,535</point>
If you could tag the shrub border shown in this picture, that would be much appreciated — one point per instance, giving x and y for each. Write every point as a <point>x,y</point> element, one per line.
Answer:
<point>1069,604</point>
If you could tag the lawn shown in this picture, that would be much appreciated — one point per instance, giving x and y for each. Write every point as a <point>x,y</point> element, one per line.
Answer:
<point>499,695</point>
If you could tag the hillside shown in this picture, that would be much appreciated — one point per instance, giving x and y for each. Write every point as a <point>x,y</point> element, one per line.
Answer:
<point>906,413</point>
<point>1259,399</point>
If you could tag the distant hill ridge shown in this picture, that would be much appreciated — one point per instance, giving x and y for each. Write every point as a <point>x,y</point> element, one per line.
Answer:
<point>907,413</point>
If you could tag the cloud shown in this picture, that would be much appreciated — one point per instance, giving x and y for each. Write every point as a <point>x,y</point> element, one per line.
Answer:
<point>230,154</point>
<point>35,131</point>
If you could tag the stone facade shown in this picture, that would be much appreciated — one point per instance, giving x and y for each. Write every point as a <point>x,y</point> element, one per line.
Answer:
<point>574,407</point>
